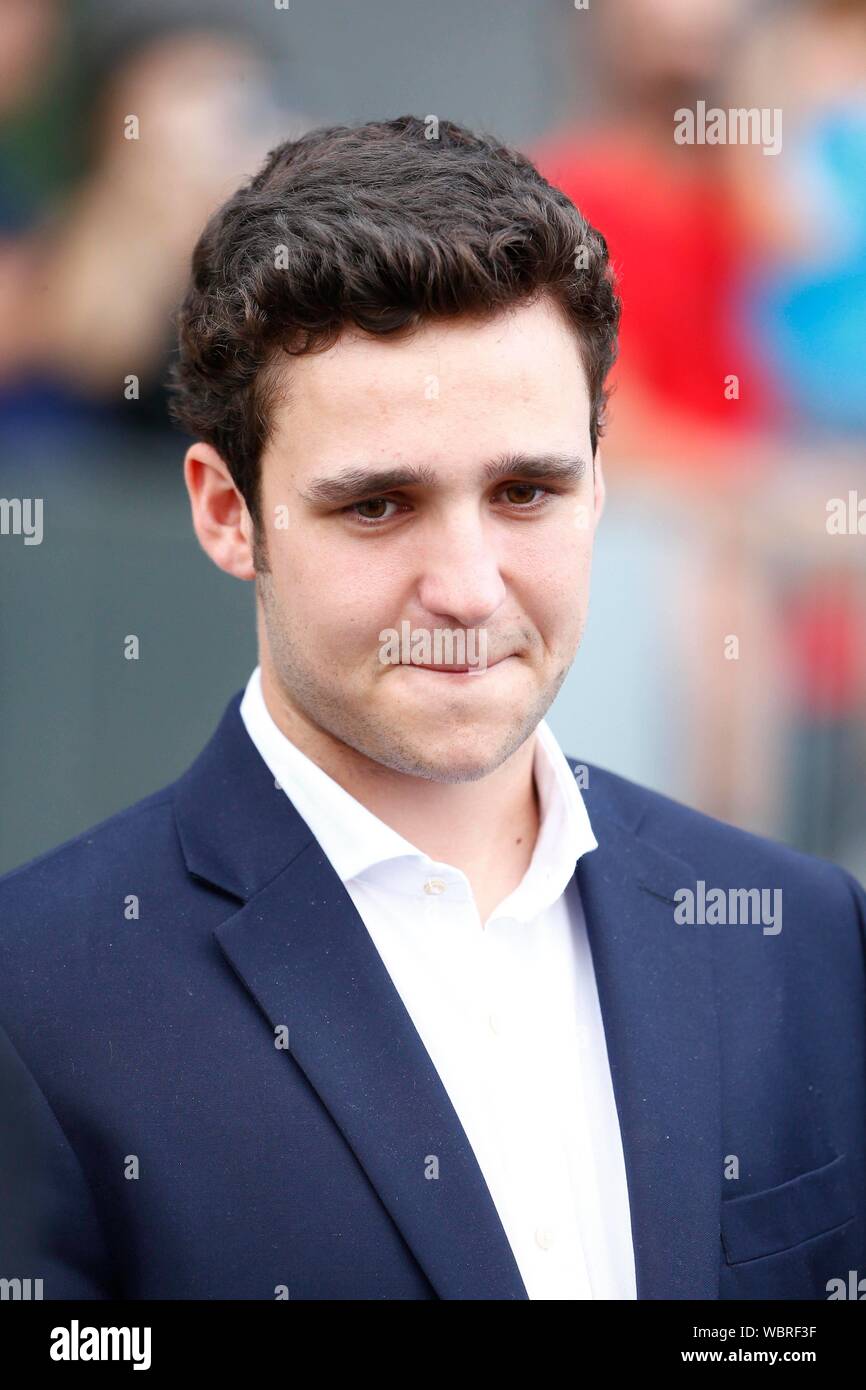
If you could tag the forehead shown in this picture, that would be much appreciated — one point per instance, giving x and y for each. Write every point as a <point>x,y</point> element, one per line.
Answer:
<point>512,380</point>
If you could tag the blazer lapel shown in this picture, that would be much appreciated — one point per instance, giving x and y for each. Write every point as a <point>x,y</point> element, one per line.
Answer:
<point>300,948</point>
<point>656,990</point>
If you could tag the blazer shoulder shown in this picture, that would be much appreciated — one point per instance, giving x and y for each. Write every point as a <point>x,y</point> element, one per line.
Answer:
<point>700,838</point>
<point>127,839</point>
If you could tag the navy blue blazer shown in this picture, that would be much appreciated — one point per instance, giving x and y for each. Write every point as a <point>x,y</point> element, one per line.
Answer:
<point>157,1143</point>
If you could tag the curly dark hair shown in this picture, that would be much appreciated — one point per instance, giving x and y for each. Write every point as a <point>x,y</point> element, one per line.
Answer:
<point>382,226</point>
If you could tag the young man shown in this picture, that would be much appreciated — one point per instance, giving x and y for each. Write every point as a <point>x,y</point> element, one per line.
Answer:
<point>373,1003</point>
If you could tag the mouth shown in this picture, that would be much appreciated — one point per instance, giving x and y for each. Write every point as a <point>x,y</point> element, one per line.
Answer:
<point>463,670</point>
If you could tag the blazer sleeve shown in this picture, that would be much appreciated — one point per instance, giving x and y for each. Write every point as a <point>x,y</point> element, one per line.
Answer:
<point>49,1224</point>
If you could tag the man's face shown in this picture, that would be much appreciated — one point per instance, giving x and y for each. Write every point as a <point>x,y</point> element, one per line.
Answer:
<point>444,547</point>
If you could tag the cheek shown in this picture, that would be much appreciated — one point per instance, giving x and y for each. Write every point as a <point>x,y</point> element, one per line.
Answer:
<point>340,600</point>
<point>558,566</point>
<point>555,593</point>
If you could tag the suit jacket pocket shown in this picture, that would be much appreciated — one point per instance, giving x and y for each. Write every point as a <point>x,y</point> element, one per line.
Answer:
<point>768,1222</point>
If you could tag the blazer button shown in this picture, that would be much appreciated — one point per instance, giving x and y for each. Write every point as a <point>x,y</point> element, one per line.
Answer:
<point>544,1237</point>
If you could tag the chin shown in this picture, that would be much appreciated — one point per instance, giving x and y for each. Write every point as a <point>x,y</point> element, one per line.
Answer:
<point>462,756</point>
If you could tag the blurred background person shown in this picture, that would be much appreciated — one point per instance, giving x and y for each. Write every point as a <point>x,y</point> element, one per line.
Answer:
<point>173,117</point>
<point>673,226</point>
<point>808,212</point>
<point>808,318</point>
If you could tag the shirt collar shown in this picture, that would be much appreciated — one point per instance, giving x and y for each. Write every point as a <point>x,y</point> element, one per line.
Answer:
<point>564,834</point>
<point>355,841</point>
<point>350,835</point>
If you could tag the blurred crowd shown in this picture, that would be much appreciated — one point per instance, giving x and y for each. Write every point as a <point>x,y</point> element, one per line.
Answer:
<point>739,404</point>
<point>740,393</point>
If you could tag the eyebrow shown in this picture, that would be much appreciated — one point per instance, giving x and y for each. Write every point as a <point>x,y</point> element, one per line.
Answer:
<point>353,484</point>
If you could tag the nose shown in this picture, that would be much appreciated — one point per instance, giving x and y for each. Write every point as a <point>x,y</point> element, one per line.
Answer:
<point>460,570</point>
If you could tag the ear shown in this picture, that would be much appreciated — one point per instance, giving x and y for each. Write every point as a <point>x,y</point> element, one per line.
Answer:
<point>219,514</point>
<point>598,484</point>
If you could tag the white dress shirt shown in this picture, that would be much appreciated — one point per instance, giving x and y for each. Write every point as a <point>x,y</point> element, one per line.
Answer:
<point>507,1009</point>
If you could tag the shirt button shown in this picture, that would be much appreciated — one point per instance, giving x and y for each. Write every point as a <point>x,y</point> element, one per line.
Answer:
<point>544,1237</point>
<point>434,885</point>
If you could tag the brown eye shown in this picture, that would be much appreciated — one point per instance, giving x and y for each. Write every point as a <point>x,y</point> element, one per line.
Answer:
<point>373,502</point>
<point>521,488</point>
